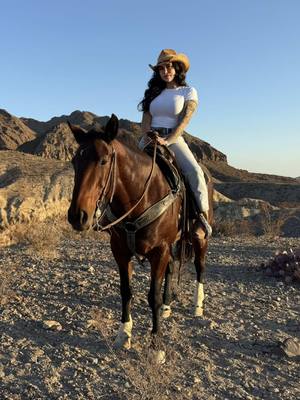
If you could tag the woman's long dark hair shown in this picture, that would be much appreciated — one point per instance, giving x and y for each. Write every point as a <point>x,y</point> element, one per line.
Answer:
<point>156,85</point>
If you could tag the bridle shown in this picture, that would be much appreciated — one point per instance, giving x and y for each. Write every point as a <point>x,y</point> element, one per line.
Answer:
<point>105,199</point>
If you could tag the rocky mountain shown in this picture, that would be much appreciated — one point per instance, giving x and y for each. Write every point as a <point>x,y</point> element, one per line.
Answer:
<point>39,184</point>
<point>57,143</point>
<point>13,132</point>
<point>83,118</point>
<point>48,133</point>
<point>53,141</point>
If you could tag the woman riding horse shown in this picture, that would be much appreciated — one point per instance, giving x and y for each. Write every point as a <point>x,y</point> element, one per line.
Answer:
<point>168,106</point>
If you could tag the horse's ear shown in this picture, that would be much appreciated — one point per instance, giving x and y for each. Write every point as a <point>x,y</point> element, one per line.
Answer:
<point>79,134</point>
<point>111,129</point>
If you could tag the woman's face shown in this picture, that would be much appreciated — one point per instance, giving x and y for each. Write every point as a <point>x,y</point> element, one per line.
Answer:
<point>167,72</point>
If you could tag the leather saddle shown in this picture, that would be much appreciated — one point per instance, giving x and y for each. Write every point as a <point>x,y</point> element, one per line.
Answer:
<point>166,162</point>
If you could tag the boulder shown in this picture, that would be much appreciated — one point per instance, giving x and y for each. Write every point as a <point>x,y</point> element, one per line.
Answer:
<point>241,209</point>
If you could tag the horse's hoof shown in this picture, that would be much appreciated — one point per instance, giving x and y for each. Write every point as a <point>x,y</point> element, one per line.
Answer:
<point>127,344</point>
<point>165,311</point>
<point>122,342</point>
<point>157,356</point>
<point>198,311</point>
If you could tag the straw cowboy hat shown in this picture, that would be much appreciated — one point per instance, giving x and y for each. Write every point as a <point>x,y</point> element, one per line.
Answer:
<point>169,55</point>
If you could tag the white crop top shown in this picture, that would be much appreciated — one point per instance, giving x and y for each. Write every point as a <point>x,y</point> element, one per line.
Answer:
<point>166,108</point>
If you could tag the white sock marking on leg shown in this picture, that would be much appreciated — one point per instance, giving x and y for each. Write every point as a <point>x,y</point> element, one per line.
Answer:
<point>199,294</point>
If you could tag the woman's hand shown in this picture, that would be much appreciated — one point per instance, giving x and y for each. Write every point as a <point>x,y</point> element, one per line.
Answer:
<point>155,136</point>
<point>161,141</point>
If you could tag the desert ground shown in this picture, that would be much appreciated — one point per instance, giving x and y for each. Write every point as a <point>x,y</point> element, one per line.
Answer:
<point>233,352</point>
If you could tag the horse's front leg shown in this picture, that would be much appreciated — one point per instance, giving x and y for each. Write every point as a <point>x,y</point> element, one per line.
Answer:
<point>200,245</point>
<point>159,259</point>
<point>122,257</point>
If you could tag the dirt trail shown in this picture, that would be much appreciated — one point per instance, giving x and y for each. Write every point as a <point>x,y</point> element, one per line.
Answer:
<point>231,353</point>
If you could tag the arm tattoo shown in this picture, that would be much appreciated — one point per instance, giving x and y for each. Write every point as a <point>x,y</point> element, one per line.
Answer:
<point>146,122</point>
<point>187,111</point>
<point>184,119</point>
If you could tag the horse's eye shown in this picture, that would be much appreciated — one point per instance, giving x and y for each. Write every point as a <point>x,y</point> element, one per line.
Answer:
<point>103,161</point>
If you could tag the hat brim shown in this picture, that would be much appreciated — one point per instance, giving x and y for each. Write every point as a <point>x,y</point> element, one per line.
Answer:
<point>180,58</point>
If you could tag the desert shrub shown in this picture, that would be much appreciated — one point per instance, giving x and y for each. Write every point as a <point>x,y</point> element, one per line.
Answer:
<point>147,379</point>
<point>271,223</point>
<point>41,238</point>
<point>233,227</point>
<point>150,380</point>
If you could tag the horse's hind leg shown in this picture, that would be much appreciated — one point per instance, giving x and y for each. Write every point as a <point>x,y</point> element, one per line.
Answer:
<point>123,338</point>
<point>200,248</point>
<point>159,259</point>
<point>167,294</point>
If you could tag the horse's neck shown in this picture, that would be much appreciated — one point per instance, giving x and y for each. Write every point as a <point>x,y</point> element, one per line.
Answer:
<point>133,171</point>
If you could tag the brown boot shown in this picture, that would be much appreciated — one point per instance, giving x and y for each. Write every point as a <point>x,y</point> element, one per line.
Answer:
<point>201,223</point>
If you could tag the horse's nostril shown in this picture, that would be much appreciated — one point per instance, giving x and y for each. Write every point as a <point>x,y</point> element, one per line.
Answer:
<point>83,217</point>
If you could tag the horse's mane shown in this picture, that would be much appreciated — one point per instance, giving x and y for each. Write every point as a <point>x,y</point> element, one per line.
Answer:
<point>127,140</point>
<point>129,144</point>
<point>132,148</point>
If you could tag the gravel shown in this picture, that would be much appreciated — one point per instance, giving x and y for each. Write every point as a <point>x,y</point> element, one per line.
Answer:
<point>59,318</point>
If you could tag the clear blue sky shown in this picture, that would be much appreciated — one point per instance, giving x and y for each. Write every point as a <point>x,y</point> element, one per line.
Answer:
<point>59,56</point>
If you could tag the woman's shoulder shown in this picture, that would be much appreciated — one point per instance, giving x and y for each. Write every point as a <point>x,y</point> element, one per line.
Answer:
<point>189,93</point>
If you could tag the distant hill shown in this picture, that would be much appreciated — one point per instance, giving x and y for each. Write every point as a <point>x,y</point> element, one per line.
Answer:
<point>226,173</point>
<point>13,132</point>
<point>278,193</point>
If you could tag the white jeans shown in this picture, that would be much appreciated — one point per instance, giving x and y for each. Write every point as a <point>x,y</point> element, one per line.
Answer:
<point>189,168</point>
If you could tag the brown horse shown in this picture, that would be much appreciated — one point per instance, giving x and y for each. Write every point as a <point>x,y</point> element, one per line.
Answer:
<point>101,158</point>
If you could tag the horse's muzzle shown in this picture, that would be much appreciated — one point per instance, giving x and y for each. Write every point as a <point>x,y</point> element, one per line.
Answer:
<point>80,220</point>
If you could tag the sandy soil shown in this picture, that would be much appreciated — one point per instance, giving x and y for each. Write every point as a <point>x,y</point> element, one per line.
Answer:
<point>231,353</point>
